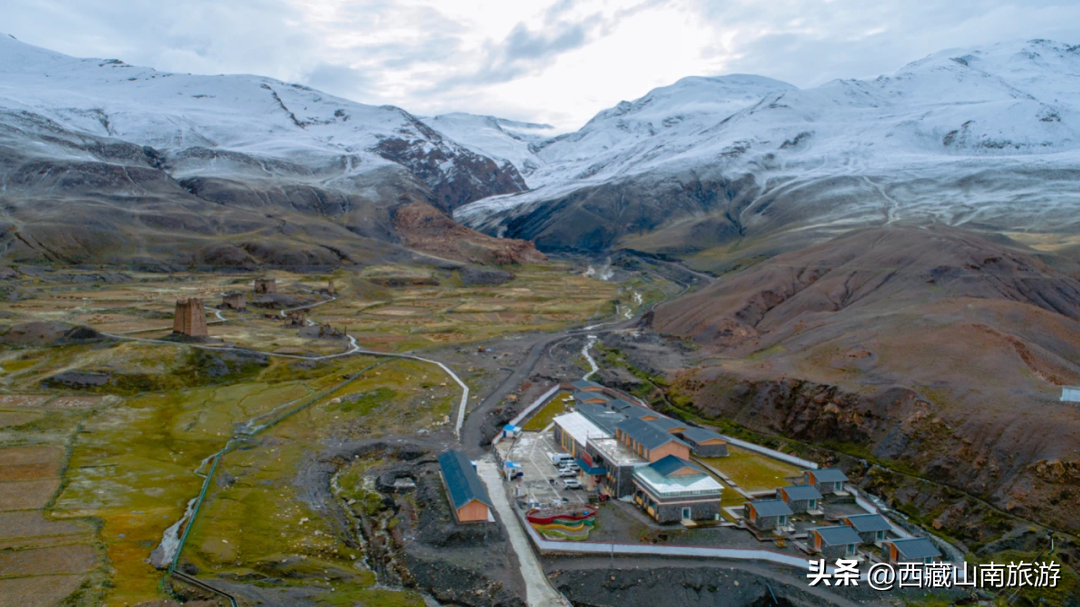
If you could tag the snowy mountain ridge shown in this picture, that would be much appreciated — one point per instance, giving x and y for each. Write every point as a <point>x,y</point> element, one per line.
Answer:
<point>989,135</point>
<point>259,117</point>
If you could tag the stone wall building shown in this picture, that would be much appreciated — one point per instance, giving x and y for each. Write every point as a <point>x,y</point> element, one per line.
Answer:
<point>190,318</point>
<point>834,542</point>
<point>767,515</point>
<point>265,286</point>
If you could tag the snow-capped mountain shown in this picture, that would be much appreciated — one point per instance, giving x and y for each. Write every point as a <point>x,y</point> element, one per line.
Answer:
<point>103,129</point>
<point>498,138</point>
<point>985,136</point>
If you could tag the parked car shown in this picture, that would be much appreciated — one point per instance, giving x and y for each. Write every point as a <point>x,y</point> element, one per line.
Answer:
<point>572,484</point>
<point>566,473</point>
<point>558,459</point>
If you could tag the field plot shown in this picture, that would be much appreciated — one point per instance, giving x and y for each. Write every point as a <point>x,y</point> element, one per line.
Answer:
<point>44,591</point>
<point>30,463</point>
<point>752,471</point>
<point>26,495</point>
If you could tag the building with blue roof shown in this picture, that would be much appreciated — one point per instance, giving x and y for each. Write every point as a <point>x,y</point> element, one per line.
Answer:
<point>672,489</point>
<point>468,497</point>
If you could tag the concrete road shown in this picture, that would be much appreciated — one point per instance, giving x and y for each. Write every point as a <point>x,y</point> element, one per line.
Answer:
<point>538,592</point>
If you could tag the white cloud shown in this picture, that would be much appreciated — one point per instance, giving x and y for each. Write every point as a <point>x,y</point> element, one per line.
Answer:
<point>558,61</point>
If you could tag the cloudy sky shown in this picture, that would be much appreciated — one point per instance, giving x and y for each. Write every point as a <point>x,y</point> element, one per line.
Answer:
<point>551,61</point>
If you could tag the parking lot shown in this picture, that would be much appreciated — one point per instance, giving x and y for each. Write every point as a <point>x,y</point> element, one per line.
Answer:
<point>541,482</point>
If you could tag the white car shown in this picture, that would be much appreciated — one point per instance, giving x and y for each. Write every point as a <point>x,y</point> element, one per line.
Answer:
<point>572,484</point>
<point>566,473</point>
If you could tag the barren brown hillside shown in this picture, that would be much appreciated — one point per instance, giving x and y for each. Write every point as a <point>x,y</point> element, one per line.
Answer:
<point>935,348</point>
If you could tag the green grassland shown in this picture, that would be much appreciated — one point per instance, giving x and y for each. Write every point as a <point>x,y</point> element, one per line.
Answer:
<point>752,471</point>
<point>132,457</point>
<point>548,412</point>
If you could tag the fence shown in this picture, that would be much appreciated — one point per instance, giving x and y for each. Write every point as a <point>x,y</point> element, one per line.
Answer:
<point>599,548</point>
<point>527,411</point>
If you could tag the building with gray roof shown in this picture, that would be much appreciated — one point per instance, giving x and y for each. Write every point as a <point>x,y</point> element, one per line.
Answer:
<point>872,528</point>
<point>834,542</point>
<point>911,550</point>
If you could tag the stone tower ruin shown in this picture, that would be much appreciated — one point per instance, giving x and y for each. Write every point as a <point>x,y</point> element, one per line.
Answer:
<point>233,301</point>
<point>190,318</point>
<point>330,288</point>
<point>265,286</point>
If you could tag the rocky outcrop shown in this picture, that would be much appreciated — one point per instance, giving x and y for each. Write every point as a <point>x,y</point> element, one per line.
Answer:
<point>424,228</point>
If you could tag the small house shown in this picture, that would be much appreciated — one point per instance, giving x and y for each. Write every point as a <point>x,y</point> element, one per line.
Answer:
<point>1070,394</point>
<point>911,550</point>
<point>870,527</point>
<point>828,480</point>
<point>672,490</point>
<point>705,443</point>
<point>468,497</point>
<point>834,542</point>
<point>767,515</point>
<point>511,431</point>
<point>800,498</point>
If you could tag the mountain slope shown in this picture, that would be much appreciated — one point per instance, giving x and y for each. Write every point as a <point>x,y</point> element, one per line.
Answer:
<point>103,161</point>
<point>934,348</point>
<point>987,137</point>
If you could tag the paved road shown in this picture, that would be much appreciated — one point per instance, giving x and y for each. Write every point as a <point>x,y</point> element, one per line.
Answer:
<point>538,592</point>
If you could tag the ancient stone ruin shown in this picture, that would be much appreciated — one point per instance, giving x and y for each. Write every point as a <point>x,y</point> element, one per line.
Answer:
<point>190,318</point>
<point>296,318</point>
<point>330,288</point>
<point>233,301</point>
<point>265,286</point>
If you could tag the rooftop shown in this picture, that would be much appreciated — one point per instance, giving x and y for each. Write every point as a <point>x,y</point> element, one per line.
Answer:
<point>578,426</point>
<point>667,424</point>
<point>771,508</point>
<point>600,415</point>
<point>616,452</point>
<point>462,482</point>
<point>619,404</point>
<point>584,384</point>
<point>869,522</point>
<point>648,436</point>
<point>837,536</point>
<point>700,435</point>
<point>802,492</point>
<point>583,396</point>
<point>663,484</point>
<point>638,412</point>
<point>668,465</point>
<point>829,475</point>
<point>916,548</point>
